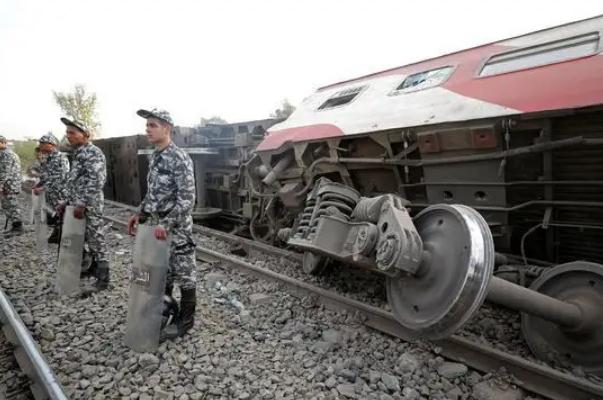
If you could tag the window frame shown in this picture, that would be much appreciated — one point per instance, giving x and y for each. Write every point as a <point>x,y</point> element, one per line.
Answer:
<point>362,88</point>
<point>396,92</point>
<point>484,63</point>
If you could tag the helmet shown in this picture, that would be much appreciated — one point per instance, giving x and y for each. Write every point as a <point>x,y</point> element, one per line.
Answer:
<point>169,310</point>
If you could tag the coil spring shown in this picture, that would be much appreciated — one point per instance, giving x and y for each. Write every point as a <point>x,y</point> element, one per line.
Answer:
<point>303,226</point>
<point>330,203</point>
<point>327,203</point>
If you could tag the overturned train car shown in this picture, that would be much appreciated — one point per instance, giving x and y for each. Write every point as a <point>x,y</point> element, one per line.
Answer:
<point>513,129</point>
<point>219,153</point>
<point>448,174</point>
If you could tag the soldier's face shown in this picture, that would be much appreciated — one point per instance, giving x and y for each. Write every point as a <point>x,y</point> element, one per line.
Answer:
<point>75,136</point>
<point>2,145</point>
<point>46,148</point>
<point>157,132</point>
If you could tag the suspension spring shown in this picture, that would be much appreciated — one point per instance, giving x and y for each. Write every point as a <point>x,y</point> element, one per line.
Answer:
<point>327,198</point>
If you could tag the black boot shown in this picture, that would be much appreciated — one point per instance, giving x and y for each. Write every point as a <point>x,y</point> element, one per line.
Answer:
<point>102,275</point>
<point>15,230</point>
<point>186,316</point>
<point>188,304</point>
<point>89,266</point>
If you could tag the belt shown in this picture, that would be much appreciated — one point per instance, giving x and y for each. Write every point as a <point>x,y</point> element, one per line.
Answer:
<point>152,218</point>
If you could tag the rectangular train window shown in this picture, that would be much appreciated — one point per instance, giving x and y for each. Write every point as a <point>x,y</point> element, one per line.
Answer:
<point>424,80</point>
<point>544,54</point>
<point>341,98</point>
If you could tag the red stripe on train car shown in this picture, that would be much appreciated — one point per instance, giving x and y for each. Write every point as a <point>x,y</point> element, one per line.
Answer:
<point>299,134</point>
<point>570,84</point>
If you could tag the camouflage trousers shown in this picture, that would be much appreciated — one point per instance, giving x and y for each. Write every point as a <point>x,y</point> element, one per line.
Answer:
<point>182,265</point>
<point>10,207</point>
<point>95,234</point>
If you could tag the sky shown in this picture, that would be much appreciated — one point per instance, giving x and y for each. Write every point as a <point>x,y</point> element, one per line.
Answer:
<point>235,59</point>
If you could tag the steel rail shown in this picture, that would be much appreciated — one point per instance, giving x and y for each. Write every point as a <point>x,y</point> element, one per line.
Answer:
<point>45,384</point>
<point>536,378</point>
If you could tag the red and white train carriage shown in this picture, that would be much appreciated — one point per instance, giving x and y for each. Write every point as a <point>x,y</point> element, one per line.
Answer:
<point>512,129</point>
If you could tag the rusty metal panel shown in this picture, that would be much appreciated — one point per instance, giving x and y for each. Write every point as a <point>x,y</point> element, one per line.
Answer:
<point>126,171</point>
<point>429,143</point>
<point>483,137</point>
<point>109,188</point>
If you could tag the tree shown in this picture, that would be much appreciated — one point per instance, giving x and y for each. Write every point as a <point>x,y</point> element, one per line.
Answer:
<point>214,120</point>
<point>25,149</point>
<point>79,105</point>
<point>284,111</point>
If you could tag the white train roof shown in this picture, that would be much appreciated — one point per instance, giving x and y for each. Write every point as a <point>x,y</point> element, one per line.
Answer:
<point>552,69</point>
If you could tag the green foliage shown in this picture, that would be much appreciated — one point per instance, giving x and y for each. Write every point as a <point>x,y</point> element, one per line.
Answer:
<point>284,111</point>
<point>79,105</point>
<point>25,149</point>
<point>214,120</point>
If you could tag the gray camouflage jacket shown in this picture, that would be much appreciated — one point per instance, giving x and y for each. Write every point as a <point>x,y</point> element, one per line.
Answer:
<point>10,171</point>
<point>170,186</point>
<point>53,174</point>
<point>85,181</point>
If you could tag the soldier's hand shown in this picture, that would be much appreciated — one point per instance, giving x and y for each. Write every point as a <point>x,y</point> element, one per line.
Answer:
<point>160,233</point>
<point>38,190</point>
<point>78,212</point>
<point>132,223</point>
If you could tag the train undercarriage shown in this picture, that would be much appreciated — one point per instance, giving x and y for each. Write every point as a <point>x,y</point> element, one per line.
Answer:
<point>508,210</point>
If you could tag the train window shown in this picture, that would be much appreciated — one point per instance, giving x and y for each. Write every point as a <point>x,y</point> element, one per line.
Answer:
<point>424,80</point>
<point>543,54</point>
<point>341,98</point>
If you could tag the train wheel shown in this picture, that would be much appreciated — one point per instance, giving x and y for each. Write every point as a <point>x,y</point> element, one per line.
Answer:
<point>452,281</point>
<point>581,283</point>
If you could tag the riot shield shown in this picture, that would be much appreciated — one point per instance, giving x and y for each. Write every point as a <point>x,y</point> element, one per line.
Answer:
<point>147,287</point>
<point>38,209</point>
<point>70,253</point>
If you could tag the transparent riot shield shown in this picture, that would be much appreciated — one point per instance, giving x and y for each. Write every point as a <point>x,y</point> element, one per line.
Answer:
<point>38,209</point>
<point>70,253</point>
<point>34,205</point>
<point>149,275</point>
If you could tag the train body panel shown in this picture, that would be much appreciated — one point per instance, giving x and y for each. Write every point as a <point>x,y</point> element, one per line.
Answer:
<point>554,69</point>
<point>513,129</point>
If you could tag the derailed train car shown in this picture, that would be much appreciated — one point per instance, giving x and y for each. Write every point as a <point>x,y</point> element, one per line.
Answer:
<point>218,151</point>
<point>438,173</point>
<point>513,129</point>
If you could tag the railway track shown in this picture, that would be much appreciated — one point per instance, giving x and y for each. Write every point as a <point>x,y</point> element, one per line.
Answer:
<point>17,340</point>
<point>534,377</point>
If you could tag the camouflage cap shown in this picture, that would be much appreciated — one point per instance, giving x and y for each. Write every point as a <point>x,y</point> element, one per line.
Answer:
<point>157,113</point>
<point>50,139</point>
<point>2,139</point>
<point>76,124</point>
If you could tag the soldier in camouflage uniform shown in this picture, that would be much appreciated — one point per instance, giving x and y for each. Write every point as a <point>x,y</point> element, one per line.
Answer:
<point>169,203</point>
<point>84,190</point>
<point>10,186</point>
<point>54,170</point>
